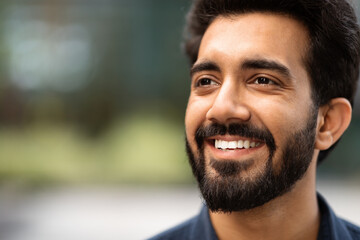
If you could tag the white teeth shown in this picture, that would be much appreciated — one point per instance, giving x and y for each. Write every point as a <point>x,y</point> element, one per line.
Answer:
<point>232,144</point>
<point>220,144</point>
<point>216,143</point>
<point>246,144</point>
<point>224,144</point>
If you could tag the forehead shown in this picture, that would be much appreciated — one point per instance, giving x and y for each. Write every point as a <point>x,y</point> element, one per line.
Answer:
<point>264,35</point>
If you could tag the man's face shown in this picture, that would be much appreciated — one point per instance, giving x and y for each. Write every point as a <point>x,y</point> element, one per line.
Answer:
<point>250,123</point>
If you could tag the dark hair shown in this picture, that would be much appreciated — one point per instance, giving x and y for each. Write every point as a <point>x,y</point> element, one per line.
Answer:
<point>332,60</point>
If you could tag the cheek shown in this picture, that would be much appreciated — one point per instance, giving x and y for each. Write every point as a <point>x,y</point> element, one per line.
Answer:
<point>195,116</point>
<point>282,118</point>
<point>284,112</point>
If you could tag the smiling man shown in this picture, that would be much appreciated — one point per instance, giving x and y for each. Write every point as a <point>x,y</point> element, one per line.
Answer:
<point>272,89</point>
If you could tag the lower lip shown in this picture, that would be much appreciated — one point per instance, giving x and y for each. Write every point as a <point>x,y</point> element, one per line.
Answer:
<point>235,154</point>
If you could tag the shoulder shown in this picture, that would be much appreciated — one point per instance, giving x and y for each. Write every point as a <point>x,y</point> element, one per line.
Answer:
<point>196,228</point>
<point>334,227</point>
<point>179,232</point>
<point>353,230</point>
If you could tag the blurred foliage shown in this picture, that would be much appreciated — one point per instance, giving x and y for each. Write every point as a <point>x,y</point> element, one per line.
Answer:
<point>95,92</point>
<point>140,148</point>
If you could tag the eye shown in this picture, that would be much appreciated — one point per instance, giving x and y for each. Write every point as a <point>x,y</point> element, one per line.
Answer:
<point>205,82</point>
<point>264,81</point>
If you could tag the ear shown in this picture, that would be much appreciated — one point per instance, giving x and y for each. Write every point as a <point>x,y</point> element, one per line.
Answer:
<point>333,119</point>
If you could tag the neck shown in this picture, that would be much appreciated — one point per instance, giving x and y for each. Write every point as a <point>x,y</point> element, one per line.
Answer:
<point>295,215</point>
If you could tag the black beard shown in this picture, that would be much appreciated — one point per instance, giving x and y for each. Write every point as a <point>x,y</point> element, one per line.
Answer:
<point>229,191</point>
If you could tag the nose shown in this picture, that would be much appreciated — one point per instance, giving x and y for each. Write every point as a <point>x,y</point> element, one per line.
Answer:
<point>229,105</point>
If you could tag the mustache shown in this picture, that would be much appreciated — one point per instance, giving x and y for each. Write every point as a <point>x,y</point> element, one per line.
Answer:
<point>236,129</point>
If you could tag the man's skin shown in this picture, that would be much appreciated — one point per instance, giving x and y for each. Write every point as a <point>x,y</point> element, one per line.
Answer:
<point>233,92</point>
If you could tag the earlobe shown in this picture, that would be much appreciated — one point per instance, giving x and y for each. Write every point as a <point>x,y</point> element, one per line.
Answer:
<point>333,119</point>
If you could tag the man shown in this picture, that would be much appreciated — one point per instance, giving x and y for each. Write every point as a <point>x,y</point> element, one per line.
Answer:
<point>272,89</point>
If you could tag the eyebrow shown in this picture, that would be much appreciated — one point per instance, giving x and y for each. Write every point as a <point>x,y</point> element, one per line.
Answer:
<point>247,64</point>
<point>266,64</point>
<point>204,66</point>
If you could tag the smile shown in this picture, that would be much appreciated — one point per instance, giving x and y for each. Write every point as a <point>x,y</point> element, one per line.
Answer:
<point>233,145</point>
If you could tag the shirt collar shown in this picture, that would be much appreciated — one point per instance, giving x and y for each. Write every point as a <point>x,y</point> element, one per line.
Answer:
<point>331,227</point>
<point>203,229</point>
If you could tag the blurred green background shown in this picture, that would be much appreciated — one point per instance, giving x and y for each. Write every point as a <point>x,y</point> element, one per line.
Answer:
<point>95,92</point>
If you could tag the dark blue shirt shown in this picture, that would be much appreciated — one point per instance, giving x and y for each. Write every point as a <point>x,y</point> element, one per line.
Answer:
<point>200,227</point>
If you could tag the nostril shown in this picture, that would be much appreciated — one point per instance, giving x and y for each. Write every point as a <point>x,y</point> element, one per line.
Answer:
<point>228,105</point>
<point>225,115</point>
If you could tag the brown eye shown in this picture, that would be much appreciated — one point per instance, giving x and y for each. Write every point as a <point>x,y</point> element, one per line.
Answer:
<point>264,81</point>
<point>205,82</point>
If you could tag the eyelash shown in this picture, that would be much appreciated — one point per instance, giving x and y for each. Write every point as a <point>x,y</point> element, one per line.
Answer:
<point>206,81</point>
<point>270,82</point>
<point>209,80</point>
